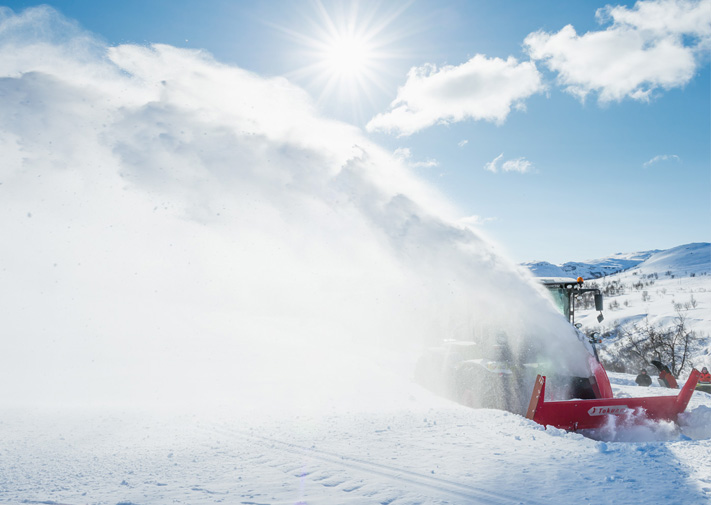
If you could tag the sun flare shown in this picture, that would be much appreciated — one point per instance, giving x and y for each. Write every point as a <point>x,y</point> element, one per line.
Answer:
<point>348,56</point>
<point>345,52</point>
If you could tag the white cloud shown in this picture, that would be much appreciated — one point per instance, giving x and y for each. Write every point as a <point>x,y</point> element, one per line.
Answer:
<point>520,165</point>
<point>462,143</point>
<point>493,165</point>
<point>481,89</point>
<point>661,157</point>
<point>671,17</point>
<point>405,155</point>
<point>656,44</point>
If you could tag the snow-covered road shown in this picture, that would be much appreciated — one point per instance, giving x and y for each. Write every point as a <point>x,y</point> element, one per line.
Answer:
<point>429,454</point>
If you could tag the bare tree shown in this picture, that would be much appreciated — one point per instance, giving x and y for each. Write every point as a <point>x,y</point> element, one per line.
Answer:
<point>693,302</point>
<point>671,345</point>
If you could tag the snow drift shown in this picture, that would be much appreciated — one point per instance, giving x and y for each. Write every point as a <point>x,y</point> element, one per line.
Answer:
<point>179,230</point>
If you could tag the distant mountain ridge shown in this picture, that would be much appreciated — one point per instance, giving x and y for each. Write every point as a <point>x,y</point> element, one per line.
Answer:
<point>686,259</point>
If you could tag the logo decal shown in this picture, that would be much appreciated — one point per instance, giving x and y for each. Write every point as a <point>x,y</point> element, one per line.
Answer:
<point>614,410</point>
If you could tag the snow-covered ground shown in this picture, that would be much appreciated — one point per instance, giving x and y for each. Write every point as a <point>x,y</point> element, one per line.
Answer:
<point>656,292</point>
<point>427,451</point>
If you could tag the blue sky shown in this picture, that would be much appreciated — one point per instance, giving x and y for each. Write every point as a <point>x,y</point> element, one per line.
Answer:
<point>561,143</point>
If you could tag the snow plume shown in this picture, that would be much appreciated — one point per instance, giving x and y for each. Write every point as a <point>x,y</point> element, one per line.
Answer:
<point>178,230</point>
<point>634,426</point>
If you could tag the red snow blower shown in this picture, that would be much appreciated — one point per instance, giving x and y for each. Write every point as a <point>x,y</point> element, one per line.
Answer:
<point>488,375</point>
<point>579,414</point>
<point>586,414</point>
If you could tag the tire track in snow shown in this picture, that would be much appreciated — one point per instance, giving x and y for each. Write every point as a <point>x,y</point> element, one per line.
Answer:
<point>473,495</point>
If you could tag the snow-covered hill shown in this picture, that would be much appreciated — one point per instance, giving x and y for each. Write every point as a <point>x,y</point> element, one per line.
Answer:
<point>681,260</point>
<point>655,289</point>
<point>590,269</point>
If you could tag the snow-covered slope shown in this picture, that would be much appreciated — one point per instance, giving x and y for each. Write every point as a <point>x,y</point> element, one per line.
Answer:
<point>590,269</point>
<point>685,260</point>
<point>656,291</point>
<point>682,260</point>
<point>648,301</point>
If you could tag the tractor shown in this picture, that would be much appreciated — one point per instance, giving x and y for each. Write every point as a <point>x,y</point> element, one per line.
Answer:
<point>587,412</point>
<point>486,375</point>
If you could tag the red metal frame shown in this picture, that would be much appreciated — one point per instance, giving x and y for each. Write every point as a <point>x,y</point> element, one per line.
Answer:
<point>602,386</point>
<point>586,414</point>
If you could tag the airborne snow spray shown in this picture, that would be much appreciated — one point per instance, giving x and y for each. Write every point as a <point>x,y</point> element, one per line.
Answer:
<point>182,231</point>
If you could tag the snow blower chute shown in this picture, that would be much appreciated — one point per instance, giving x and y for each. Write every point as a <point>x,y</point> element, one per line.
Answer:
<point>578,414</point>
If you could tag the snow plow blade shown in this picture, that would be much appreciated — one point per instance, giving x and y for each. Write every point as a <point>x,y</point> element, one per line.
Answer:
<point>586,414</point>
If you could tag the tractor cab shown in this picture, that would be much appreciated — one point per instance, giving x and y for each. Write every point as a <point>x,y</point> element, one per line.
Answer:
<point>565,291</point>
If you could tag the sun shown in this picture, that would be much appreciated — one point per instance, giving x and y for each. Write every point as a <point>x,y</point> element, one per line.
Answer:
<point>348,56</point>
<point>346,64</point>
<point>344,54</point>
